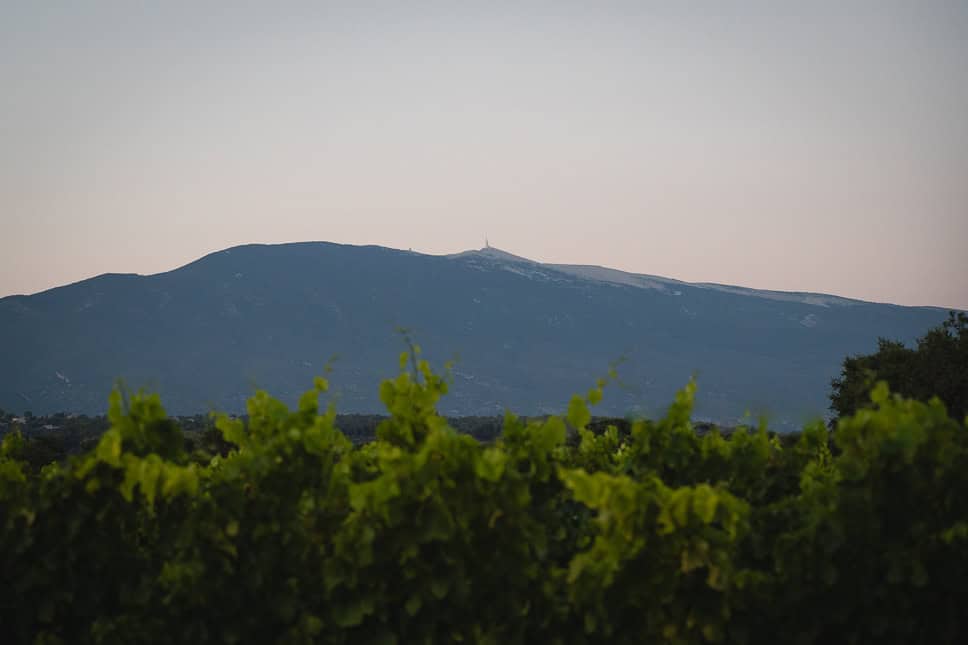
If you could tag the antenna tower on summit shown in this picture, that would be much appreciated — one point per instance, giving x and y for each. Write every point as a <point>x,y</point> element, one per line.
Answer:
<point>487,244</point>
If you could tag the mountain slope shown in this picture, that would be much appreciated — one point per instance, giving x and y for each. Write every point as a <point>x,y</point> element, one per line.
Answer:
<point>526,335</point>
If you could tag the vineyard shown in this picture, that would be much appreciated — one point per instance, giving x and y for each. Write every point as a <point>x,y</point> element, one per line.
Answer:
<point>553,533</point>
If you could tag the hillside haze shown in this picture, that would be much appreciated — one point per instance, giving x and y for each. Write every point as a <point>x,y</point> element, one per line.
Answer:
<point>525,335</point>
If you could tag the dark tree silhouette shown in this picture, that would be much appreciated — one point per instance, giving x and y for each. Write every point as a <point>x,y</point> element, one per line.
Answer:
<point>938,366</point>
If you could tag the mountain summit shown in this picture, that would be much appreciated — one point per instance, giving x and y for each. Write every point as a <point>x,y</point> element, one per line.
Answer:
<point>524,334</point>
<point>614,276</point>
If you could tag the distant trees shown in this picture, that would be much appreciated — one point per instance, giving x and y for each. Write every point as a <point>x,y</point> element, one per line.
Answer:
<point>938,366</point>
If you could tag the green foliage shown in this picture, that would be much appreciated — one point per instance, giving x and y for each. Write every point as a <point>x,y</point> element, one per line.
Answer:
<point>288,533</point>
<point>937,367</point>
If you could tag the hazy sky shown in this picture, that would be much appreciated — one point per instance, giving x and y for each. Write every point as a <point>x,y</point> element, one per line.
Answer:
<point>810,146</point>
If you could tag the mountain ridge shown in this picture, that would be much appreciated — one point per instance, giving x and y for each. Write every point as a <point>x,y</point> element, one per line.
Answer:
<point>528,334</point>
<point>493,252</point>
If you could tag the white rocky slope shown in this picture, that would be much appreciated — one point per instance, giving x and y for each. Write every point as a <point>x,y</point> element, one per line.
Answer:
<point>492,256</point>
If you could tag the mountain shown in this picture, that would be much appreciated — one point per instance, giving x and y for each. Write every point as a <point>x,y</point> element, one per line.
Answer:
<point>525,335</point>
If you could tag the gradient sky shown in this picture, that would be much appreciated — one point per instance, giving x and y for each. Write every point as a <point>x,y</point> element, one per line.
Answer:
<point>811,146</point>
